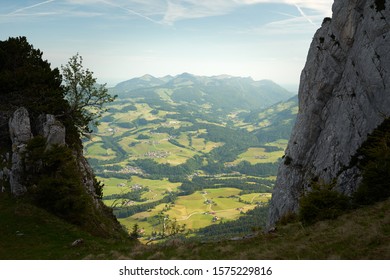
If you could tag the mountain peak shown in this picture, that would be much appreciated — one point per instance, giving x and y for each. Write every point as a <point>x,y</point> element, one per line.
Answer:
<point>223,77</point>
<point>185,75</point>
<point>147,77</point>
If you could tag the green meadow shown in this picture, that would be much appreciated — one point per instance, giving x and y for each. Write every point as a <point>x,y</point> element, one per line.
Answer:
<point>171,133</point>
<point>157,188</point>
<point>198,210</point>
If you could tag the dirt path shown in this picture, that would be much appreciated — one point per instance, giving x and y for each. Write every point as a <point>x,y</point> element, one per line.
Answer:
<point>189,216</point>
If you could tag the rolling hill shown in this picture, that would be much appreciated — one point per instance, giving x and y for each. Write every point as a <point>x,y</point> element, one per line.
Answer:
<point>175,146</point>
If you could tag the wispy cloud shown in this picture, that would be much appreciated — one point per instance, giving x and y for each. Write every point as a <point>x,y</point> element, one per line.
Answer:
<point>166,12</point>
<point>23,9</point>
<point>318,6</point>
<point>303,14</point>
<point>189,9</point>
<point>131,11</point>
<point>50,8</point>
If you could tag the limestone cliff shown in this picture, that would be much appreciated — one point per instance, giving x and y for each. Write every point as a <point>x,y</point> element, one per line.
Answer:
<point>343,96</point>
<point>59,180</point>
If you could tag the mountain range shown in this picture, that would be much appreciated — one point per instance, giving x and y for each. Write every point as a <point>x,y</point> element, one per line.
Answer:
<point>221,93</point>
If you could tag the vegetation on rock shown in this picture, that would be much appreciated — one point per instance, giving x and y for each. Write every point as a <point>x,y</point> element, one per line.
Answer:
<point>322,203</point>
<point>374,162</point>
<point>56,176</point>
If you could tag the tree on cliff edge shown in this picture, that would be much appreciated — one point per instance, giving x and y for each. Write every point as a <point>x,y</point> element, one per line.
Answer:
<point>28,80</point>
<point>86,98</point>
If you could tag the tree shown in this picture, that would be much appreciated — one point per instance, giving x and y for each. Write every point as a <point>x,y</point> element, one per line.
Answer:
<point>85,97</point>
<point>28,80</point>
<point>135,232</point>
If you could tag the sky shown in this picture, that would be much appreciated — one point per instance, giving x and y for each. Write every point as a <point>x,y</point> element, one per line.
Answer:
<point>123,39</point>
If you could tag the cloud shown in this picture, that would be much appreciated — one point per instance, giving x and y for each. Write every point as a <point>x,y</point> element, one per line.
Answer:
<point>166,12</point>
<point>189,9</point>
<point>51,8</point>
<point>30,7</point>
<point>318,6</point>
<point>303,14</point>
<point>131,11</point>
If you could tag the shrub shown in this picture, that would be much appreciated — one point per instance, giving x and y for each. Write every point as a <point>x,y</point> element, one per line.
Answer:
<point>98,188</point>
<point>321,204</point>
<point>62,197</point>
<point>288,218</point>
<point>55,182</point>
<point>287,160</point>
<point>380,5</point>
<point>374,162</point>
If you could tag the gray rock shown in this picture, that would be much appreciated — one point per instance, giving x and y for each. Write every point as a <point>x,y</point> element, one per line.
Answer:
<point>20,133</point>
<point>87,177</point>
<point>19,127</point>
<point>343,96</point>
<point>52,130</point>
<point>77,242</point>
<point>5,172</point>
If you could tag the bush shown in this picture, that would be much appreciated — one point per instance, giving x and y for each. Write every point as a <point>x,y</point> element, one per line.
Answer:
<point>55,181</point>
<point>288,218</point>
<point>374,162</point>
<point>321,204</point>
<point>62,197</point>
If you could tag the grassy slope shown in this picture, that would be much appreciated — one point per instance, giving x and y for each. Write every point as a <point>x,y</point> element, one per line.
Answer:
<point>28,232</point>
<point>362,234</point>
<point>31,233</point>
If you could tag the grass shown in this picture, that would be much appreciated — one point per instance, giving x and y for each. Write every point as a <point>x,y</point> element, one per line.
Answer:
<point>361,234</point>
<point>28,232</point>
<point>156,187</point>
<point>195,213</point>
<point>256,197</point>
<point>98,152</point>
<point>281,143</point>
<point>111,185</point>
<point>259,155</point>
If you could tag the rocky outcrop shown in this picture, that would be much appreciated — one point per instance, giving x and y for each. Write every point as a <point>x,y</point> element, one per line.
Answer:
<point>20,134</point>
<point>37,161</point>
<point>343,96</point>
<point>51,129</point>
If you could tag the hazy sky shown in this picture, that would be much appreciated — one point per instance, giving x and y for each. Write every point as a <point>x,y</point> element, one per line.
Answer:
<point>122,39</point>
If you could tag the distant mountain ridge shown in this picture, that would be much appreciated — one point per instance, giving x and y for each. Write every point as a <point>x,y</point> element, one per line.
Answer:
<point>222,92</point>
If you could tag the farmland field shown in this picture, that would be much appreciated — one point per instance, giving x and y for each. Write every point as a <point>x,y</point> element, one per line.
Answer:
<point>180,154</point>
<point>198,210</point>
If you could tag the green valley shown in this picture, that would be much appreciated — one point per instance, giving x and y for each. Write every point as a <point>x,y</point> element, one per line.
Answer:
<point>189,152</point>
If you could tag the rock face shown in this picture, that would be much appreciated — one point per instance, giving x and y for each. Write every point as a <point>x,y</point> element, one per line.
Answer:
<point>343,96</point>
<point>47,178</point>
<point>20,134</point>
<point>52,130</point>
